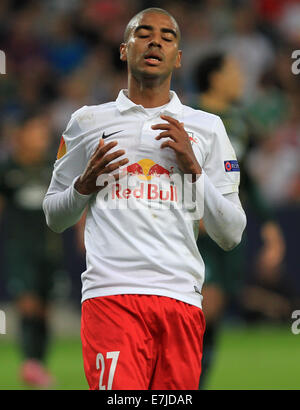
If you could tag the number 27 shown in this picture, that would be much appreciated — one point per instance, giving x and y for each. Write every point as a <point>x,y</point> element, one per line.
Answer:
<point>100,359</point>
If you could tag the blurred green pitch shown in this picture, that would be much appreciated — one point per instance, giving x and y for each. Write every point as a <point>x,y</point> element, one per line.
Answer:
<point>265,357</point>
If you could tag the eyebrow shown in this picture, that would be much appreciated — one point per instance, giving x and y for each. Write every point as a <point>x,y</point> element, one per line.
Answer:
<point>163,30</point>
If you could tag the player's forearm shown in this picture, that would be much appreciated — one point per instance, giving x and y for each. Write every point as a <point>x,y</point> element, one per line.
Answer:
<point>63,208</point>
<point>224,217</point>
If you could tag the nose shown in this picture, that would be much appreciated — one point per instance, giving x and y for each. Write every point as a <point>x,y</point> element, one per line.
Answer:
<point>154,43</point>
<point>155,40</point>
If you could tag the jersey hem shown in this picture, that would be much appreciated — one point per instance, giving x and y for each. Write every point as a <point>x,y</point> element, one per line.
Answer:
<point>96,294</point>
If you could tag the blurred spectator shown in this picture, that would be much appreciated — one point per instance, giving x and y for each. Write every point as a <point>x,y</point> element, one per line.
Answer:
<point>272,10</point>
<point>274,163</point>
<point>74,93</point>
<point>290,22</point>
<point>65,51</point>
<point>31,250</point>
<point>249,46</point>
<point>24,48</point>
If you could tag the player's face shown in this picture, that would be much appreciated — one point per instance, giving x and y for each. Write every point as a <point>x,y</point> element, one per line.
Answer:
<point>231,80</point>
<point>152,47</point>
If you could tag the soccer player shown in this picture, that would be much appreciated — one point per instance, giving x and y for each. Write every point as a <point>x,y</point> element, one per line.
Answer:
<point>142,323</point>
<point>220,82</point>
<point>31,249</point>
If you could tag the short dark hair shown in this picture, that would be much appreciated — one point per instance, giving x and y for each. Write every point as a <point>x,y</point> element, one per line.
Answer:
<point>206,67</point>
<point>149,10</point>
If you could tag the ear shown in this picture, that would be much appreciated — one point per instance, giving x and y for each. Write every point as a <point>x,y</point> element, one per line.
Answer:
<point>178,59</point>
<point>123,52</point>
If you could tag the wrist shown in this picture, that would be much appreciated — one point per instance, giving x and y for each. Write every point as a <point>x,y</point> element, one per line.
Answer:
<point>80,188</point>
<point>196,172</point>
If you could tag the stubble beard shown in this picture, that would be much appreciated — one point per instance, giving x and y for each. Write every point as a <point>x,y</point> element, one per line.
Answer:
<point>149,80</point>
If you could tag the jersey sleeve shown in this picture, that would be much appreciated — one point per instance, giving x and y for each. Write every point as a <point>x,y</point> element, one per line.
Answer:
<point>71,156</point>
<point>221,165</point>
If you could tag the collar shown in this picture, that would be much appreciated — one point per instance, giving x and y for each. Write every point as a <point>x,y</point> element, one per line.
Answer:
<point>125,104</point>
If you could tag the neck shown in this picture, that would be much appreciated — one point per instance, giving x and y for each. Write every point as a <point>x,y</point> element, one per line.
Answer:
<point>149,93</point>
<point>214,102</point>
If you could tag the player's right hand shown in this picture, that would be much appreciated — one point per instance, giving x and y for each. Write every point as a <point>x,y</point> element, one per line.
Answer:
<point>100,163</point>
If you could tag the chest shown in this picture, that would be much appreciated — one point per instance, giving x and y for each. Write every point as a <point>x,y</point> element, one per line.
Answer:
<point>136,137</point>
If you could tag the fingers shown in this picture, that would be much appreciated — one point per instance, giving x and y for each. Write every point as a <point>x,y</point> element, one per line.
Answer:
<point>169,144</point>
<point>106,147</point>
<point>112,167</point>
<point>102,148</point>
<point>161,126</point>
<point>172,121</point>
<point>173,129</point>
<point>105,165</point>
<point>166,134</point>
<point>110,157</point>
<point>102,158</point>
<point>166,126</point>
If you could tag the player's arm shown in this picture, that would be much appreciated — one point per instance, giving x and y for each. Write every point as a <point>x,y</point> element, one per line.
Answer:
<point>224,218</point>
<point>74,178</point>
<point>64,207</point>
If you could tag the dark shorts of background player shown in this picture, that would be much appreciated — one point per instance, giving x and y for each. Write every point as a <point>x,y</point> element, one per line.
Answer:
<point>224,270</point>
<point>28,270</point>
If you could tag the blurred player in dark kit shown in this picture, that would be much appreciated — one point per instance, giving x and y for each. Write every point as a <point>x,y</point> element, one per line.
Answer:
<point>31,250</point>
<point>220,82</point>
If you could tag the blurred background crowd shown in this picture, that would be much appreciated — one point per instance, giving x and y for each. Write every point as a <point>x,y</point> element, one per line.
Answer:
<point>63,54</point>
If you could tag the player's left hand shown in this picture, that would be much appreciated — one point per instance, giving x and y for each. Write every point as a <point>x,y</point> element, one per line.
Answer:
<point>179,141</point>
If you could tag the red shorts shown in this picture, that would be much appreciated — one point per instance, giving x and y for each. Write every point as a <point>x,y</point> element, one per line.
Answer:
<point>141,342</point>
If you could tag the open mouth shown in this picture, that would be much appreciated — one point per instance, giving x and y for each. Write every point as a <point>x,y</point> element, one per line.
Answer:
<point>153,59</point>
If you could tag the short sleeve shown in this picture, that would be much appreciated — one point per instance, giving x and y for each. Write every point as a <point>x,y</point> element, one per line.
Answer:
<point>71,156</point>
<point>221,164</point>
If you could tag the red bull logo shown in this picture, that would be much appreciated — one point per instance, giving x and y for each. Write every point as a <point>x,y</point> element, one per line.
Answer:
<point>151,192</point>
<point>146,170</point>
<point>146,184</point>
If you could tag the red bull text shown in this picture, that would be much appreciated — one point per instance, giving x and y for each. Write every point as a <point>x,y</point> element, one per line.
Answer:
<point>146,184</point>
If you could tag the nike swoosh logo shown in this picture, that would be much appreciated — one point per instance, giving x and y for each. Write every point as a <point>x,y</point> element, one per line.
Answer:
<point>109,135</point>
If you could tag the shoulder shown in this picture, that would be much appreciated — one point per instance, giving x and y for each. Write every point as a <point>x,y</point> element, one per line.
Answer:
<point>86,119</point>
<point>88,114</point>
<point>200,118</point>
<point>209,127</point>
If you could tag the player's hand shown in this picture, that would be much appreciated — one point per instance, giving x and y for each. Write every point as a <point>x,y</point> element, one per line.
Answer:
<point>179,141</point>
<point>100,163</point>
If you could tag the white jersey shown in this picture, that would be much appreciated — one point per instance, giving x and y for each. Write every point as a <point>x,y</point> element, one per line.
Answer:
<point>144,250</point>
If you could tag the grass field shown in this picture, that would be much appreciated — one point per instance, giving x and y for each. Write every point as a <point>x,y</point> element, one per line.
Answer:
<point>248,358</point>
